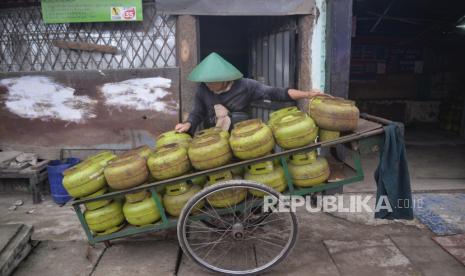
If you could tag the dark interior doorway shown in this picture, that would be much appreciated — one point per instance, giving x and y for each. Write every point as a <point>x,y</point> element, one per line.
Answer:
<point>261,47</point>
<point>226,36</point>
<point>408,63</point>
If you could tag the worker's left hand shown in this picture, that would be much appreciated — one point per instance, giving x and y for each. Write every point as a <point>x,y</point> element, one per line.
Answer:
<point>182,127</point>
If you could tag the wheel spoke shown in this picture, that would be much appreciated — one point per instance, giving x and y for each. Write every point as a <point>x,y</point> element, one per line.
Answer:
<point>233,209</point>
<point>219,257</point>
<point>239,238</point>
<point>214,245</point>
<point>250,212</point>
<point>256,226</point>
<point>218,217</point>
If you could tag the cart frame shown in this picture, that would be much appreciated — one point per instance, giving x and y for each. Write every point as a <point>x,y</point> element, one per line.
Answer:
<point>367,137</point>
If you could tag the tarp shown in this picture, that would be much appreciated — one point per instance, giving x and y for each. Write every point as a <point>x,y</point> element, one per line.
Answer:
<point>235,7</point>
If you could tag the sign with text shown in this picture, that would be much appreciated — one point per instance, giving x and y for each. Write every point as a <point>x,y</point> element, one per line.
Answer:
<point>76,11</point>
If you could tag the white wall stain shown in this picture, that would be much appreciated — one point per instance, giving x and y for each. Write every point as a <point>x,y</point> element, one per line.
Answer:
<point>40,97</point>
<point>140,94</point>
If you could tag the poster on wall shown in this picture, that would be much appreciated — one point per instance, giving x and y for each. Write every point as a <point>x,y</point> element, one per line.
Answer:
<point>76,11</point>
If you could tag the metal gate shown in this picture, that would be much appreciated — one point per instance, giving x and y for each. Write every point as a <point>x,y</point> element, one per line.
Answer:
<point>272,57</point>
<point>272,51</point>
<point>26,43</point>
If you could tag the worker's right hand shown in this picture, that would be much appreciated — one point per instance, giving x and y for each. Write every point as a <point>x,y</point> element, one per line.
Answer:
<point>182,127</point>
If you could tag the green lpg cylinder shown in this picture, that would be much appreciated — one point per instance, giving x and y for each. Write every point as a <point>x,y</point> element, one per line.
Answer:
<point>173,137</point>
<point>142,151</point>
<point>238,172</point>
<point>102,158</point>
<point>126,172</point>
<point>209,151</point>
<point>169,161</point>
<point>105,220</point>
<point>99,203</point>
<point>177,195</point>
<point>136,197</point>
<point>214,130</point>
<point>306,173</point>
<point>266,173</point>
<point>226,198</point>
<point>87,177</point>
<point>295,130</point>
<point>84,179</point>
<point>199,180</point>
<point>142,212</point>
<point>251,139</point>
<point>334,113</point>
<point>328,135</point>
<point>304,158</point>
<point>278,114</point>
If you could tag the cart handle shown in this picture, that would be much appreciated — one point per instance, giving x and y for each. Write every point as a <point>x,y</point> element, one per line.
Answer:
<point>376,119</point>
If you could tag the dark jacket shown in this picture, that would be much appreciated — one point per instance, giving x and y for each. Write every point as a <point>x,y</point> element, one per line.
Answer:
<point>237,99</point>
<point>392,176</point>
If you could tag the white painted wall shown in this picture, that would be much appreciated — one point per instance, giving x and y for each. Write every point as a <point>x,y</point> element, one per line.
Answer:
<point>318,46</point>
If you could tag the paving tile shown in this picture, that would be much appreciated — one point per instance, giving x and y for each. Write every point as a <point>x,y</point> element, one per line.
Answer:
<point>60,258</point>
<point>306,256</point>
<point>427,256</point>
<point>189,268</point>
<point>455,245</point>
<point>369,257</point>
<point>139,258</point>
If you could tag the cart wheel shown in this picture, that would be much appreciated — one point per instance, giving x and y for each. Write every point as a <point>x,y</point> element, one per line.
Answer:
<point>240,239</point>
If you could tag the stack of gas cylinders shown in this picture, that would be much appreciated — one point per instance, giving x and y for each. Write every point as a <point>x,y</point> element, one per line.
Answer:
<point>178,154</point>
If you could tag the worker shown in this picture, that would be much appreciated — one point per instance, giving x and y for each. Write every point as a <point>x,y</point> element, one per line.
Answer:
<point>224,96</point>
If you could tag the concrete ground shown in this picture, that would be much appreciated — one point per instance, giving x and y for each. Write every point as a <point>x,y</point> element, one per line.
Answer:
<point>328,243</point>
<point>436,162</point>
<point>432,169</point>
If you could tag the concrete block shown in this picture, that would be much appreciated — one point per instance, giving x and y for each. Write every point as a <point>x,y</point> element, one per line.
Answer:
<point>369,257</point>
<point>16,245</point>
<point>61,258</point>
<point>139,258</point>
<point>6,233</point>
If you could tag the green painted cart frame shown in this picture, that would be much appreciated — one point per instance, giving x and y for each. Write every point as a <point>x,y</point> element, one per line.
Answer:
<point>368,137</point>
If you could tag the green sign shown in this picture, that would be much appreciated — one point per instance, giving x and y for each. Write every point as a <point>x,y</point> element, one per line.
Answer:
<point>75,11</point>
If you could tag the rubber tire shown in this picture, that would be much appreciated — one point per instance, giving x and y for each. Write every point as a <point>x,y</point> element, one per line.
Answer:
<point>230,183</point>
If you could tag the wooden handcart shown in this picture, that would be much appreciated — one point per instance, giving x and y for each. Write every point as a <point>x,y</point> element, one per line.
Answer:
<point>242,239</point>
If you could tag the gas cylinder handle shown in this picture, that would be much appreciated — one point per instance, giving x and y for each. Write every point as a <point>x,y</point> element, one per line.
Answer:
<point>303,158</point>
<point>261,168</point>
<point>177,189</point>
<point>224,175</point>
